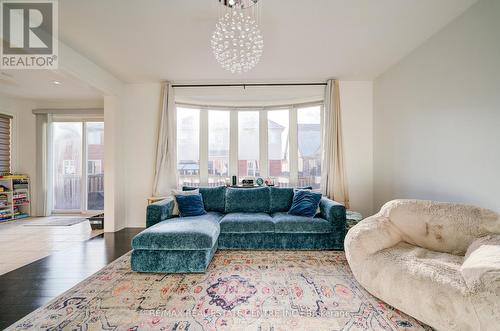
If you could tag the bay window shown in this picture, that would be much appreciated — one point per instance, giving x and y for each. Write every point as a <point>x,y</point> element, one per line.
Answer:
<point>282,143</point>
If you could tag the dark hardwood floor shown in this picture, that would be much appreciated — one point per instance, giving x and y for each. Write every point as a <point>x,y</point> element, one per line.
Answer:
<point>27,288</point>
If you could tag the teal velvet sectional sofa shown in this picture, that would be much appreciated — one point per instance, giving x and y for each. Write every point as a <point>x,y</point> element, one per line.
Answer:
<point>237,218</point>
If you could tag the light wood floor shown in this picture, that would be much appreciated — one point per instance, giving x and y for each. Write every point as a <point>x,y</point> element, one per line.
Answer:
<point>21,245</point>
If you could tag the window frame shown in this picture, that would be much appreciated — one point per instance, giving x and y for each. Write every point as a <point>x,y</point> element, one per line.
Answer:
<point>263,137</point>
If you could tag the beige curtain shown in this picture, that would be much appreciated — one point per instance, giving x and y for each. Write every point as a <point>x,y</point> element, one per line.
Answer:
<point>43,192</point>
<point>333,175</point>
<point>166,148</point>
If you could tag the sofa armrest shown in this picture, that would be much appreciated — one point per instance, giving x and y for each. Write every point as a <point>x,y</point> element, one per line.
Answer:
<point>334,213</point>
<point>159,211</point>
<point>370,236</point>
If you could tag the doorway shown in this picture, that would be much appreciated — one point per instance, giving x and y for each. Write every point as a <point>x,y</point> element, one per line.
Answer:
<point>77,162</point>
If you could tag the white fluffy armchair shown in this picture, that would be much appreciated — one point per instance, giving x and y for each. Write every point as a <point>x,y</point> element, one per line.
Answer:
<point>438,262</point>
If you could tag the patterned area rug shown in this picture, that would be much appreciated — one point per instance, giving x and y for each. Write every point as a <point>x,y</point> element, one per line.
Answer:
<point>242,290</point>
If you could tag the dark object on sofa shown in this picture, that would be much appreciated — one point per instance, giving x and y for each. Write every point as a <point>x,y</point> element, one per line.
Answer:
<point>255,218</point>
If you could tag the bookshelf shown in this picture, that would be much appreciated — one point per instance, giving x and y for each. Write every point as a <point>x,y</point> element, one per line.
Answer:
<point>15,197</point>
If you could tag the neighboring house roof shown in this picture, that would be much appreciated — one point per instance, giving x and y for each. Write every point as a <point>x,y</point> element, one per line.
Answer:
<point>309,136</point>
<point>188,166</point>
<point>219,153</point>
<point>274,125</point>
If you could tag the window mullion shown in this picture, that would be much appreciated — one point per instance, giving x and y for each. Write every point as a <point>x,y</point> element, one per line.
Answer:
<point>294,148</point>
<point>84,165</point>
<point>263,144</point>
<point>233,144</point>
<point>203,147</point>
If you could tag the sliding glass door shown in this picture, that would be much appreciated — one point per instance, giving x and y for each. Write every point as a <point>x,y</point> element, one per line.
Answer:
<point>95,165</point>
<point>77,166</point>
<point>67,163</point>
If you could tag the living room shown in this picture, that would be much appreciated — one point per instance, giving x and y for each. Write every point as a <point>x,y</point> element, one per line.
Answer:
<point>250,164</point>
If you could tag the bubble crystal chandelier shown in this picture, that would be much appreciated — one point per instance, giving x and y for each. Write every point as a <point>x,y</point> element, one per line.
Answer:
<point>237,43</point>
<point>241,4</point>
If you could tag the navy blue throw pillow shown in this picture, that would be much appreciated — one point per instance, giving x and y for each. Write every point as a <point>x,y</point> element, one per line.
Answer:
<point>305,203</point>
<point>190,205</point>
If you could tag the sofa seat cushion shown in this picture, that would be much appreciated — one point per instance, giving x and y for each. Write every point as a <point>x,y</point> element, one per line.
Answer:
<point>187,233</point>
<point>247,223</point>
<point>286,223</point>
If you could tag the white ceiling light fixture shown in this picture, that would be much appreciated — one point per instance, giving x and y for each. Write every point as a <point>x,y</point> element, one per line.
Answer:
<point>237,43</point>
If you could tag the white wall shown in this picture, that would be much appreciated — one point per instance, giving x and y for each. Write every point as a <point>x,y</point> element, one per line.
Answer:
<point>68,104</point>
<point>437,116</point>
<point>140,111</point>
<point>356,98</point>
<point>23,137</point>
<point>114,167</point>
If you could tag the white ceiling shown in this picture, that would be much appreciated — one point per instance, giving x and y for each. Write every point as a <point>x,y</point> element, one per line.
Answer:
<point>304,40</point>
<point>39,85</point>
<point>154,40</point>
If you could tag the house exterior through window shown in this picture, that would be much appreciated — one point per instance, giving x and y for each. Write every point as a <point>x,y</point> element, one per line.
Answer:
<point>282,143</point>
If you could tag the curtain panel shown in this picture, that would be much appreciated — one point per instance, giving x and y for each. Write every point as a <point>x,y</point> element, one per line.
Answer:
<point>43,175</point>
<point>333,175</point>
<point>165,178</point>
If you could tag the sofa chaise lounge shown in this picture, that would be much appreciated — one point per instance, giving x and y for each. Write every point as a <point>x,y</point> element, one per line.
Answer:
<point>236,218</point>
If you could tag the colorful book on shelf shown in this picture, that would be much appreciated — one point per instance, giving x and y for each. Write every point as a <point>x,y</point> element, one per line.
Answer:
<point>20,186</point>
<point>13,176</point>
<point>5,214</point>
